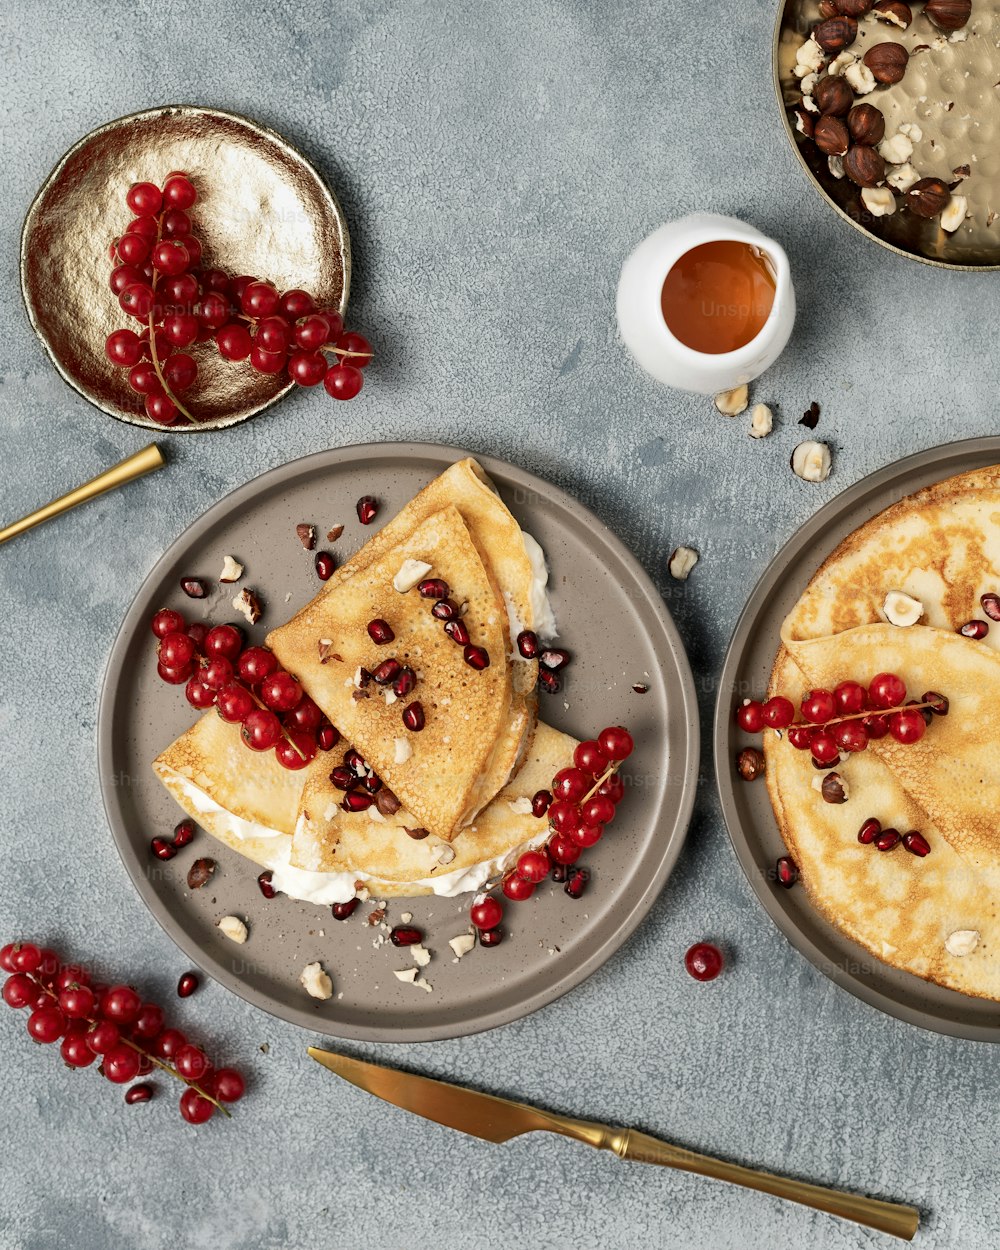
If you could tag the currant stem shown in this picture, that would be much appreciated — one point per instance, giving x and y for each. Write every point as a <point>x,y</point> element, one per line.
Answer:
<point>839,720</point>
<point>152,340</point>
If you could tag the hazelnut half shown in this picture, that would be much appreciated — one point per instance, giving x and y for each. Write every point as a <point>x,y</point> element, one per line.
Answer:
<point>830,135</point>
<point>812,462</point>
<point>928,197</point>
<point>893,13</point>
<point>954,214</point>
<point>864,166</point>
<point>732,403</point>
<point>835,34</point>
<point>887,61</point>
<point>902,609</point>
<point>853,8</point>
<point>833,95</point>
<point>866,125</point>
<point>949,14</point>
<point>750,763</point>
<point>834,788</point>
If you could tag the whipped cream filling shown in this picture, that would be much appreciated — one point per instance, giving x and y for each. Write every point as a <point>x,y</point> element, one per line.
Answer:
<point>338,887</point>
<point>538,597</point>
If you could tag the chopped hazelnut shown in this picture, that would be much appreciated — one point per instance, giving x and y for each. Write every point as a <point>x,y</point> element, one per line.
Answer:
<point>812,462</point>
<point>761,421</point>
<point>232,570</point>
<point>732,403</point>
<point>902,609</point>
<point>316,982</point>
<point>234,929</point>
<point>682,561</point>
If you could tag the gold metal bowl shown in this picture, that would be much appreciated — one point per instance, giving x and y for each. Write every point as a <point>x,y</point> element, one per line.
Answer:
<point>262,210</point>
<point>950,91</point>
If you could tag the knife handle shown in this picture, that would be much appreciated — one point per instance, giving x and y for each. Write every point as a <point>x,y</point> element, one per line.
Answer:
<point>888,1217</point>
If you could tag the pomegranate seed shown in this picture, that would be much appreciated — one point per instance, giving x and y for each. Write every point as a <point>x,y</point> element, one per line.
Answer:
<point>444,610</point>
<point>138,1093</point>
<point>991,605</point>
<point>380,631</point>
<point>540,803</point>
<point>194,587</point>
<point>405,935</point>
<point>486,912</point>
<point>577,883</point>
<point>548,681</point>
<point>533,866</point>
<point>787,872</point>
<point>187,984</point>
<point>357,801</point>
<point>433,588</point>
<point>750,716</point>
<point>491,937</point>
<point>404,682</point>
<point>517,888</point>
<point>355,762</point>
<point>341,911</point>
<point>703,961</point>
<point>560,873</point>
<point>343,777</point>
<point>367,509</point>
<point>413,717</point>
<point>327,737</point>
<point>869,831</point>
<point>162,849</point>
<point>457,632</point>
<point>387,671</point>
<point>527,644</point>
<point>554,659</point>
<point>372,784</point>
<point>476,657</point>
<point>325,565</point>
<point>939,704</point>
<point>888,840</point>
<point>264,882</point>
<point>183,833</point>
<point>974,629</point>
<point>916,843</point>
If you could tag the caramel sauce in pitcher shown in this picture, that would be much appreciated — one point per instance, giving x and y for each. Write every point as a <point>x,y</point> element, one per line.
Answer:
<point>718,296</point>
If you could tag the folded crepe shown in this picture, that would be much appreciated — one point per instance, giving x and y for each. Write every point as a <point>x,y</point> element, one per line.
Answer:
<point>253,805</point>
<point>940,546</point>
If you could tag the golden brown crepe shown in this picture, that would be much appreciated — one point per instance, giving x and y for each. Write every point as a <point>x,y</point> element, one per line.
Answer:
<point>942,547</point>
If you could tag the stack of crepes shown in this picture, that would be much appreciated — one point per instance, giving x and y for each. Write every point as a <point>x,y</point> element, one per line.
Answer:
<point>464,782</point>
<point>937,917</point>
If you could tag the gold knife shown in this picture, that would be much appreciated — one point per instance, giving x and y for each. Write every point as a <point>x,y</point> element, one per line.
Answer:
<point>499,1119</point>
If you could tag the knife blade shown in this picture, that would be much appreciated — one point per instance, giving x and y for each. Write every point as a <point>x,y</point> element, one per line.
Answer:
<point>495,1119</point>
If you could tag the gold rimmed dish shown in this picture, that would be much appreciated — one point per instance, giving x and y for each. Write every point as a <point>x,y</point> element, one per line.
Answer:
<point>263,210</point>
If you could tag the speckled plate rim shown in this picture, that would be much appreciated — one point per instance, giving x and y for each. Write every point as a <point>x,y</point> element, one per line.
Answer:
<point>779,25</point>
<point>677,676</point>
<point>880,488</point>
<point>220,423</point>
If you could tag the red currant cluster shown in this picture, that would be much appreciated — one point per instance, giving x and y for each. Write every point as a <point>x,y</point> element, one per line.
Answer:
<point>112,1022</point>
<point>159,280</point>
<point>582,800</point>
<point>846,718</point>
<point>245,685</point>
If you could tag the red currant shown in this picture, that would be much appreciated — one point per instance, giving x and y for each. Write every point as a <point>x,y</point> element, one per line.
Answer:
<point>312,332</point>
<point>259,299</point>
<point>160,408</point>
<point>234,703</point>
<point>175,223</point>
<point>824,748</point>
<point>174,676</point>
<point>146,226</point>
<point>850,735</point>
<point>358,349</point>
<point>273,334</point>
<point>213,313</point>
<point>297,753</point>
<point>571,784</point>
<point>819,707</point>
<point>120,1003</point>
<point>779,712</point>
<point>70,974</point>
<point>169,1042</point>
<point>20,991</point>
<point>228,1085</point>
<point>180,291</point>
<point>179,192</point>
<point>75,1051</point>
<point>281,692</point>
<point>191,1062</point>
<point>194,1108</point>
<point>256,663</point>
<point>587,835</point>
<point>77,1002</point>
<point>850,697</point>
<point>266,362</point>
<point>180,329</point>
<point>224,640</point>
<point>486,912</point>
<point>176,650</point>
<point>703,961</point>
<point>517,888</point>
<point>564,816</point>
<point>533,866</point>
<point>296,303</point>
<point>907,726</point>
<point>170,256</point>
<point>886,690</point>
<point>199,694</point>
<point>46,1024</point>
<point>148,1023</point>
<point>7,956</point>
<point>750,717</point>
<point>133,249</point>
<point>589,757</point>
<point>305,715</point>
<point>137,300</point>
<point>215,280</point>
<point>307,368</point>
<point>563,849</point>
<point>876,726</point>
<point>144,380</point>
<point>597,810</point>
<point>26,957</point>
<point>121,1064</point>
<point>343,381</point>
<point>218,672</point>
<point>123,348</point>
<point>234,342</point>
<point>145,199</point>
<point>616,742</point>
<point>261,729</point>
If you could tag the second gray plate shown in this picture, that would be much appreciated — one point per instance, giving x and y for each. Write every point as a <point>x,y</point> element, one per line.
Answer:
<point>611,618</point>
<point>747,809</point>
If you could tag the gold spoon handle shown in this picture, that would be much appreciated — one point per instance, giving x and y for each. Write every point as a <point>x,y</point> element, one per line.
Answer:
<point>142,462</point>
<point>887,1217</point>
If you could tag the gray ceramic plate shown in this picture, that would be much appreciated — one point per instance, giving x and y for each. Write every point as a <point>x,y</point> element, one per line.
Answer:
<point>746,806</point>
<point>620,632</point>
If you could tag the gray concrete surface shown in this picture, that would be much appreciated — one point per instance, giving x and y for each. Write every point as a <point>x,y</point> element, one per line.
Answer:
<point>496,163</point>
